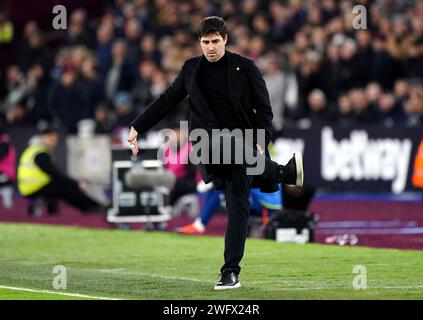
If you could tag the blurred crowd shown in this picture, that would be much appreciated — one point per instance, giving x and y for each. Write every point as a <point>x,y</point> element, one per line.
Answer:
<point>318,68</point>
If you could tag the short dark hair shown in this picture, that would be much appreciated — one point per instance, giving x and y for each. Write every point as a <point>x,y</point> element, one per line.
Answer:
<point>45,127</point>
<point>211,25</point>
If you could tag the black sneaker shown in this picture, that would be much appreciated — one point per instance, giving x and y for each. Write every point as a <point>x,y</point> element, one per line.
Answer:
<point>292,173</point>
<point>228,280</point>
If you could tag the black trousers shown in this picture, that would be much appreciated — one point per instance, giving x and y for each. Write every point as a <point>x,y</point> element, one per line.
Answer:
<point>69,192</point>
<point>237,194</point>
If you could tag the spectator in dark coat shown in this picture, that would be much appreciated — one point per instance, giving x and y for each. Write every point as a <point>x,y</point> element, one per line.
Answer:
<point>363,110</point>
<point>121,75</point>
<point>353,67</point>
<point>345,115</point>
<point>148,50</point>
<point>383,68</point>
<point>66,101</point>
<point>78,32</point>
<point>320,114</point>
<point>104,119</point>
<point>331,72</point>
<point>34,52</point>
<point>91,86</point>
<point>103,49</point>
<point>390,112</point>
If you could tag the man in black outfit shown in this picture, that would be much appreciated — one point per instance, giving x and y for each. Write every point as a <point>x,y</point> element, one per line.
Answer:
<point>225,90</point>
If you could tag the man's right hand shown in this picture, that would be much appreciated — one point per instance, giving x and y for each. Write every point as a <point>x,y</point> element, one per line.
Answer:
<point>133,142</point>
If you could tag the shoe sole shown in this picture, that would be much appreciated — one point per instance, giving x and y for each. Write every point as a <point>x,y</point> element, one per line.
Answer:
<point>300,171</point>
<point>238,285</point>
<point>190,233</point>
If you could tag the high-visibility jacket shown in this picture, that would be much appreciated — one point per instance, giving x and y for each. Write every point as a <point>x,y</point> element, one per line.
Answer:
<point>30,177</point>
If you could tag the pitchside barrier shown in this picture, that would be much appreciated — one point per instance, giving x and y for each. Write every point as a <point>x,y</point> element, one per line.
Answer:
<point>357,159</point>
<point>354,159</point>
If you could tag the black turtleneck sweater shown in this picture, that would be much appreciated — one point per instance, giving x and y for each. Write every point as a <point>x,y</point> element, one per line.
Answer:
<point>213,82</point>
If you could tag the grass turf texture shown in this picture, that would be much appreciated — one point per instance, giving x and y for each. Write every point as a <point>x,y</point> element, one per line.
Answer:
<point>159,265</point>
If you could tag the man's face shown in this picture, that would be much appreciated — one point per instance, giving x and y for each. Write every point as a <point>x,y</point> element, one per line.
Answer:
<point>50,139</point>
<point>213,46</point>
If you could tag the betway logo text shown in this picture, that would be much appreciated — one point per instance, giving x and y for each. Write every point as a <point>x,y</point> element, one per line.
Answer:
<point>361,158</point>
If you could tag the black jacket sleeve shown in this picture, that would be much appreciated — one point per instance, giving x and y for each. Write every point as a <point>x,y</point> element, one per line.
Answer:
<point>44,161</point>
<point>159,108</point>
<point>260,101</point>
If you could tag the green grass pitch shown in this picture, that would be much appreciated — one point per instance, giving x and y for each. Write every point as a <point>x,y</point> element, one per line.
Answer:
<point>160,265</point>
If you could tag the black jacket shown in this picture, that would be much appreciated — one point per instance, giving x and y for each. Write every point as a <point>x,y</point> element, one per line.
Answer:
<point>248,94</point>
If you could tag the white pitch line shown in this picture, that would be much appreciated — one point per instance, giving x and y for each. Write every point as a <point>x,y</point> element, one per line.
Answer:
<point>58,293</point>
<point>122,271</point>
